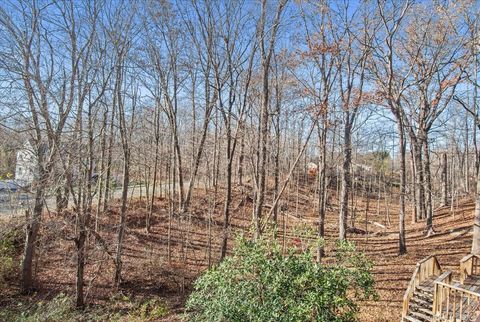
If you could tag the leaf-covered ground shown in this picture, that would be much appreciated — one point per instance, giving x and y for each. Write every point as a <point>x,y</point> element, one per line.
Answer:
<point>150,272</point>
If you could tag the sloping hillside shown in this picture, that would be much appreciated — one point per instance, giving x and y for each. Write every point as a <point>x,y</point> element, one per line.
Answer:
<point>150,271</point>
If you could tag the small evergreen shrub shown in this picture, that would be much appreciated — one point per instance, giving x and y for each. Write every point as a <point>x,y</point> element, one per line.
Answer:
<point>151,310</point>
<point>260,283</point>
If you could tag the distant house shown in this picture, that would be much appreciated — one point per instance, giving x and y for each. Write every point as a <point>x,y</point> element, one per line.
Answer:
<point>26,167</point>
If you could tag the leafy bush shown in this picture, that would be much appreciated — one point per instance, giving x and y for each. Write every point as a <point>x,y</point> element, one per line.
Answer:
<point>151,310</point>
<point>259,283</point>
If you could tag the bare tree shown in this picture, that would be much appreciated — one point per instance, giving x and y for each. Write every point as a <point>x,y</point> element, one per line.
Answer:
<point>121,29</point>
<point>36,60</point>
<point>323,53</point>
<point>351,65</point>
<point>392,85</point>
<point>266,39</point>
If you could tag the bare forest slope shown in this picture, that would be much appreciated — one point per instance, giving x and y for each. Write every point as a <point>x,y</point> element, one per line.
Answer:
<point>150,269</point>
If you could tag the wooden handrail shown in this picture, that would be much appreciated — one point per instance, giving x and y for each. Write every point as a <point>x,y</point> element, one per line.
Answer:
<point>445,278</point>
<point>452,303</point>
<point>427,267</point>
<point>469,265</point>
<point>459,289</point>
<point>409,292</point>
<point>466,258</point>
<point>425,259</point>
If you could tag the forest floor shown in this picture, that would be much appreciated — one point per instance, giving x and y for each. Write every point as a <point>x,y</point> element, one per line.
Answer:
<point>149,271</point>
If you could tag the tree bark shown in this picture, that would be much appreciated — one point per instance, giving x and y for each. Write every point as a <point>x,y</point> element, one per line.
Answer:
<point>121,228</point>
<point>80,245</point>
<point>346,178</point>
<point>444,180</point>
<point>32,228</point>
<point>322,186</point>
<point>402,246</point>
<point>228,196</point>
<point>476,221</point>
<point>420,181</point>
<point>428,182</point>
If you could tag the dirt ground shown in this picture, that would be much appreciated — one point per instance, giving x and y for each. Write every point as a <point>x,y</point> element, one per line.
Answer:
<point>155,267</point>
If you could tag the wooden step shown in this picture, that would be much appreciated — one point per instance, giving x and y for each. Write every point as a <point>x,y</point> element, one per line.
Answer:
<point>410,318</point>
<point>424,296</point>
<point>421,316</point>
<point>422,302</point>
<point>420,309</point>
<point>425,289</point>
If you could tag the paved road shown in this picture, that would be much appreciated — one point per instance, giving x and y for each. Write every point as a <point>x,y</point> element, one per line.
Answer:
<point>15,204</point>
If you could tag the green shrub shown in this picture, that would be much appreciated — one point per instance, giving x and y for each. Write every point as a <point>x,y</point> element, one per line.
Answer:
<point>151,310</point>
<point>259,283</point>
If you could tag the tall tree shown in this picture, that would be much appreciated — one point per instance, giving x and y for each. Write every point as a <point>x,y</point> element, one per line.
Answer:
<point>121,30</point>
<point>391,84</point>
<point>44,62</point>
<point>267,36</point>
<point>351,76</point>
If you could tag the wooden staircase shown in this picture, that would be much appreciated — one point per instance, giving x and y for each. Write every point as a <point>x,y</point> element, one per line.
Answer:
<point>433,296</point>
<point>421,303</point>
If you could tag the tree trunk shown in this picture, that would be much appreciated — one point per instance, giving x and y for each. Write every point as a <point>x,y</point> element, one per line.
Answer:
<point>228,197</point>
<point>103,144</point>
<point>322,187</point>
<point>402,246</point>
<point>262,156</point>
<point>179,167</point>
<point>420,189</point>
<point>476,221</point>
<point>111,141</point>
<point>413,191</point>
<point>33,223</point>
<point>276,160</point>
<point>428,181</point>
<point>444,179</point>
<point>155,170</point>
<point>80,244</point>
<point>241,155</point>
<point>32,228</point>
<point>346,179</point>
<point>196,165</point>
<point>121,228</point>
<point>467,157</point>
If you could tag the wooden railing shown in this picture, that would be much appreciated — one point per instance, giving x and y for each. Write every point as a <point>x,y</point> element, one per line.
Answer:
<point>439,292</point>
<point>452,303</point>
<point>425,269</point>
<point>469,265</point>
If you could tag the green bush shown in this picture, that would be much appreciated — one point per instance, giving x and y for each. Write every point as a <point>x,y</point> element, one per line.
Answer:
<point>259,283</point>
<point>150,310</point>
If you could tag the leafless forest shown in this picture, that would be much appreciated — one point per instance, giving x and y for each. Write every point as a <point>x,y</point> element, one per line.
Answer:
<point>162,129</point>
